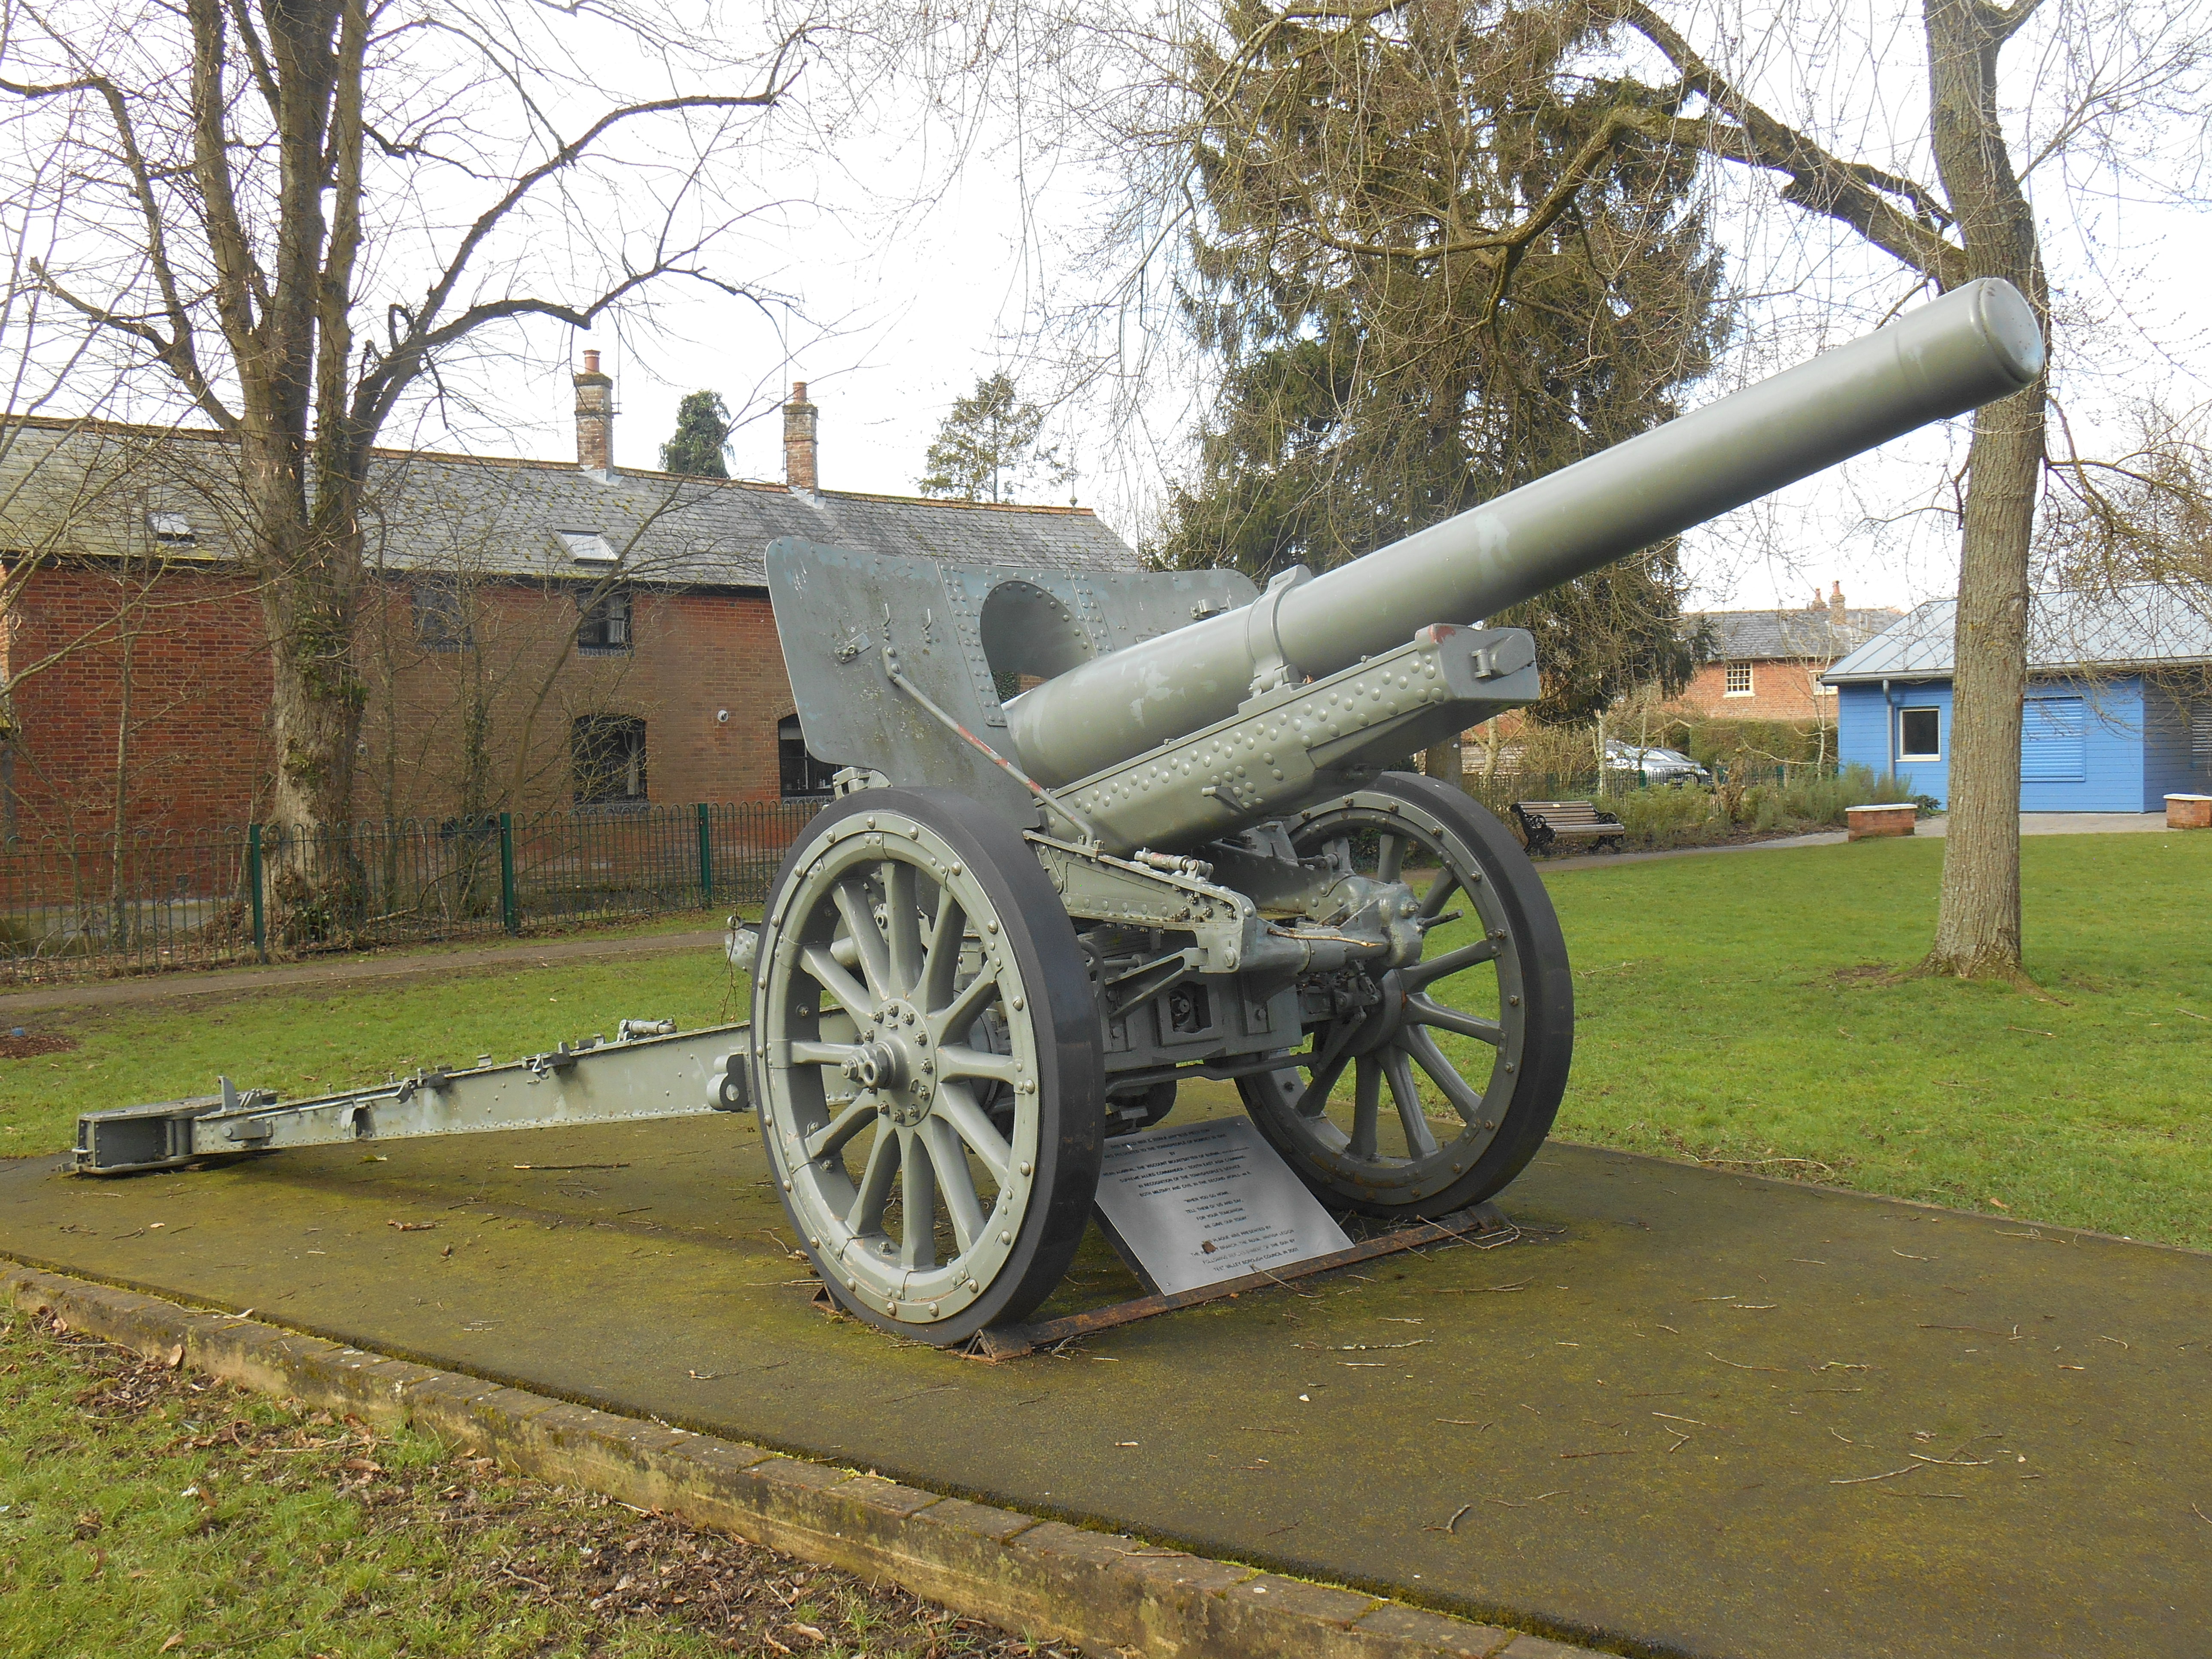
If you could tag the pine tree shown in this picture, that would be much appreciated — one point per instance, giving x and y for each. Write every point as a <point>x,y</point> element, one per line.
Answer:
<point>1382,366</point>
<point>702,440</point>
<point>987,447</point>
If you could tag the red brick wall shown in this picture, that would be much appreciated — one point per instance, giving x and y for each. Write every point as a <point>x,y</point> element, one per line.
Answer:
<point>692,655</point>
<point>1779,692</point>
<point>199,751</point>
<point>196,753</point>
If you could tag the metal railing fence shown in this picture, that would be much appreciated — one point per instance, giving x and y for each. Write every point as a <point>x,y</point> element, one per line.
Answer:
<point>91,906</point>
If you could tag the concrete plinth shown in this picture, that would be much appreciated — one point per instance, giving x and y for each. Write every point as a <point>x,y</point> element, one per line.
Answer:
<point>1690,1412</point>
<point>2189,812</point>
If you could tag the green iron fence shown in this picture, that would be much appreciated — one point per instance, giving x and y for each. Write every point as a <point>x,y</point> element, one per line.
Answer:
<point>77,907</point>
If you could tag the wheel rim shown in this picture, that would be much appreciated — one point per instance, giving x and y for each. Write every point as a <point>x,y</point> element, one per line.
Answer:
<point>892,1011</point>
<point>1411,1086</point>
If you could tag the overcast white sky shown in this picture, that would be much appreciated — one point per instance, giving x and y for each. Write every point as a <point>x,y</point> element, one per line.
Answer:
<point>895,316</point>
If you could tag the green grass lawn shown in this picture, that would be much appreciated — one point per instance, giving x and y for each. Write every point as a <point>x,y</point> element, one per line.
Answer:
<point>1725,1011</point>
<point>144,1511</point>
<point>1733,1007</point>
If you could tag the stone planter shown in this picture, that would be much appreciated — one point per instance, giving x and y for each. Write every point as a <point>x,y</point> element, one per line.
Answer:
<point>2189,812</point>
<point>1888,819</point>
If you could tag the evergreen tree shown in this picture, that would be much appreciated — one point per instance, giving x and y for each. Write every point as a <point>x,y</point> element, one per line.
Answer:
<point>1386,362</point>
<point>702,440</point>
<point>987,447</point>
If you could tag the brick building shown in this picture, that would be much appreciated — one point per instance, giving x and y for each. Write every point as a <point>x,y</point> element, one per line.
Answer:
<point>1766,665</point>
<point>533,633</point>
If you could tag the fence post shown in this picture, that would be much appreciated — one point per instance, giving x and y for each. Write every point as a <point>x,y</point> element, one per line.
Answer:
<point>706,855</point>
<point>254,887</point>
<point>510,915</point>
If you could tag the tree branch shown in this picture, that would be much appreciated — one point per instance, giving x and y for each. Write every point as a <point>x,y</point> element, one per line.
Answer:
<point>1850,192</point>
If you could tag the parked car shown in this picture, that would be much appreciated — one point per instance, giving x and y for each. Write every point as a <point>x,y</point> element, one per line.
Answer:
<point>1654,766</point>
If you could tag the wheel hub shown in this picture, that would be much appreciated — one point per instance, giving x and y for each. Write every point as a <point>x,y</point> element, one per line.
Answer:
<point>1384,1017</point>
<point>895,1062</point>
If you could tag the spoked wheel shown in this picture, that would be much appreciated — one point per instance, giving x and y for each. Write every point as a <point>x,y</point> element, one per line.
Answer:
<point>1428,1088</point>
<point>928,1063</point>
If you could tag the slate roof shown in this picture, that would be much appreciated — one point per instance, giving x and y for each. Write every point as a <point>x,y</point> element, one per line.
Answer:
<point>1788,635</point>
<point>2145,627</point>
<point>95,490</point>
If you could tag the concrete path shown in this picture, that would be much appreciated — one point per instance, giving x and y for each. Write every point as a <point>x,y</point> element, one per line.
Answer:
<point>344,969</point>
<point>1691,1412</point>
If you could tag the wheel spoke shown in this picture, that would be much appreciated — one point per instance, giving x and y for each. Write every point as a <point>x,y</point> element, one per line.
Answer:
<point>1440,890</point>
<point>804,1053</point>
<point>978,995</point>
<point>1424,973</point>
<point>958,1059</point>
<point>1420,1142</point>
<point>902,923</point>
<point>1426,1011</point>
<point>956,1183</point>
<point>853,904</point>
<point>956,1106</point>
<point>1367,1107</point>
<point>1390,855</point>
<point>830,1138</point>
<point>1432,1060</point>
<point>941,957</point>
<point>1312,1100</point>
<point>918,1202</point>
<point>1327,1066</point>
<point>851,995</point>
<point>867,1215</point>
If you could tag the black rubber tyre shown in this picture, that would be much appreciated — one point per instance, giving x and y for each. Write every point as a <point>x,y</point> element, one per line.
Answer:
<point>1500,1117</point>
<point>896,1030</point>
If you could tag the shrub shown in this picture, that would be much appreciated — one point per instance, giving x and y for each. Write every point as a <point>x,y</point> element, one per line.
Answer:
<point>1671,817</point>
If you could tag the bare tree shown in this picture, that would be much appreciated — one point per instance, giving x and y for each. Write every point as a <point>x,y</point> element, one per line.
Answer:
<point>303,216</point>
<point>1969,216</point>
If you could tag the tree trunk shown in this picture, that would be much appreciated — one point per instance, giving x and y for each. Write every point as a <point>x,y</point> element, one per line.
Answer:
<point>1978,933</point>
<point>1442,762</point>
<point>310,590</point>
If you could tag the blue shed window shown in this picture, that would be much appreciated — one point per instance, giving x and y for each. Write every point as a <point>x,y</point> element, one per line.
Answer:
<point>2053,740</point>
<point>1918,731</point>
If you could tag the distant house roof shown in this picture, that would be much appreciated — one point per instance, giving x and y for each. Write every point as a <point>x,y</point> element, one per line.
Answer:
<point>2139,628</point>
<point>93,489</point>
<point>1788,635</point>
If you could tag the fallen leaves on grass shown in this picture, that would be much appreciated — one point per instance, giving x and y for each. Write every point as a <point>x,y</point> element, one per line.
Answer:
<point>602,1570</point>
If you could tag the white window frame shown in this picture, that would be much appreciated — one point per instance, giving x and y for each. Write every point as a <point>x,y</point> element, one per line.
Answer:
<point>1905,754</point>
<point>1728,680</point>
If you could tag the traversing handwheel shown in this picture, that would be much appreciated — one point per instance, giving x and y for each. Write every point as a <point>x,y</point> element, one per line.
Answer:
<point>1427,1088</point>
<point>928,1063</point>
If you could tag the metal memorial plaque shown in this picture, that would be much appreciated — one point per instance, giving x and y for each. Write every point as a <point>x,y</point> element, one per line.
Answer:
<point>1193,1206</point>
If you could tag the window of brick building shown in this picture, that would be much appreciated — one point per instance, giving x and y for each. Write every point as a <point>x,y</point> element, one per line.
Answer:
<point>604,630</point>
<point>1920,734</point>
<point>802,775</point>
<point>606,754</point>
<point>1739,679</point>
<point>441,616</point>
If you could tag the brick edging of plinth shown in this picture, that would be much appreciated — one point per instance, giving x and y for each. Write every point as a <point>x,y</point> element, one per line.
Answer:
<point>1110,1593</point>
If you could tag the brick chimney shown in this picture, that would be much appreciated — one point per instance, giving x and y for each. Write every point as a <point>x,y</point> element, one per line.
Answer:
<point>595,417</point>
<point>1837,614</point>
<point>798,454</point>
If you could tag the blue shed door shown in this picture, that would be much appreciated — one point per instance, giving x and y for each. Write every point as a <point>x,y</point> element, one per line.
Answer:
<point>2053,740</point>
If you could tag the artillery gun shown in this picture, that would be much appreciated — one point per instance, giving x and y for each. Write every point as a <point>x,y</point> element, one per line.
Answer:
<point>1181,852</point>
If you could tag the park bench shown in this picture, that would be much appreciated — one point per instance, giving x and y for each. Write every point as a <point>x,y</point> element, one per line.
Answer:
<point>1544,822</point>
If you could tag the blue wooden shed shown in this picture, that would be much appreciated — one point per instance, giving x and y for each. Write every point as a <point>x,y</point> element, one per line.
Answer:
<point>2118,713</point>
